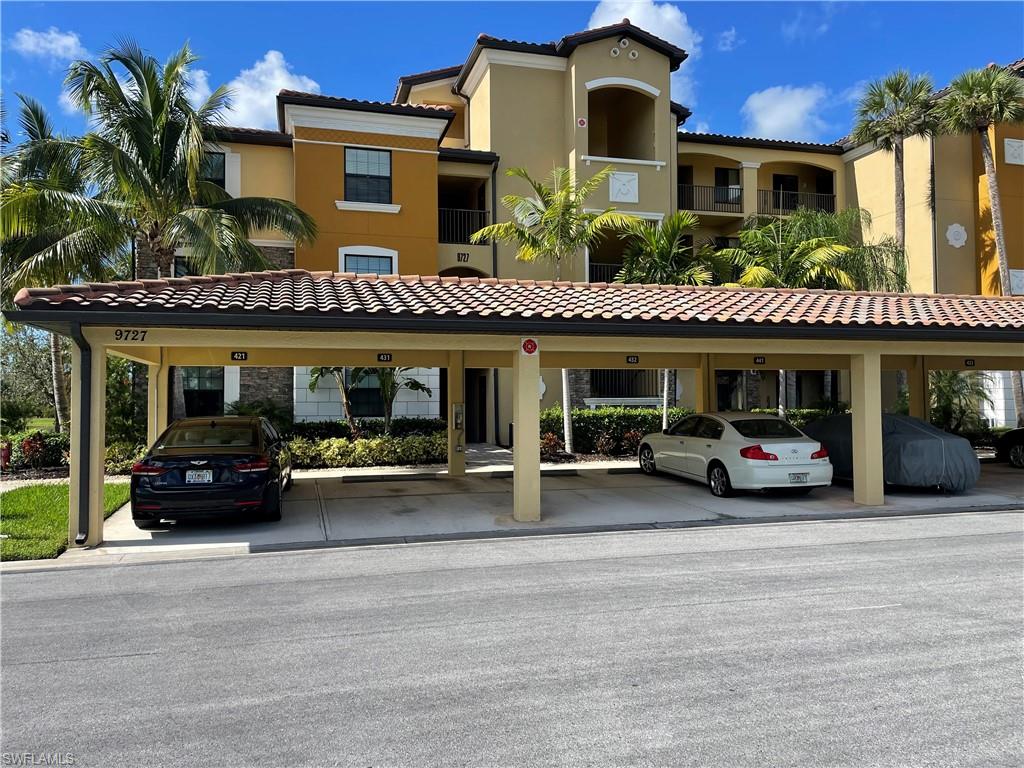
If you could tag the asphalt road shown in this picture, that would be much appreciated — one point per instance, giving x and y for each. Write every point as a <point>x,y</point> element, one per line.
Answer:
<point>870,642</point>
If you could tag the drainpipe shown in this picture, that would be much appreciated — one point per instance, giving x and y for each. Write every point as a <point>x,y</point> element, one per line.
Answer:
<point>84,417</point>
<point>935,223</point>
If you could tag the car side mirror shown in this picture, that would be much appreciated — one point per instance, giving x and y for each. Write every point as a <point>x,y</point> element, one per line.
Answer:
<point>665,432</point>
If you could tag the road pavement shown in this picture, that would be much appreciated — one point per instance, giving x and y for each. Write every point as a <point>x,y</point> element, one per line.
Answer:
<point>885,642</point>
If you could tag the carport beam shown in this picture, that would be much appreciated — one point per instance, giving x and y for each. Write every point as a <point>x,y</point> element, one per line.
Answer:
<point>866,407</point>
<point>917,389</point>
<point>526,434</point>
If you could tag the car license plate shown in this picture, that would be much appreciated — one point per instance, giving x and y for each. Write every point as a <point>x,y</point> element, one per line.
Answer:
<point>199,476</point>
<point>798,477</point>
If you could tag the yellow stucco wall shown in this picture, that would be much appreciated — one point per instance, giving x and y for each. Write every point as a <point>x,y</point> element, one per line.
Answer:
<point>1011,194</point>
<point>955,268</point>
<point>320,180</point>
<point>265,172</point>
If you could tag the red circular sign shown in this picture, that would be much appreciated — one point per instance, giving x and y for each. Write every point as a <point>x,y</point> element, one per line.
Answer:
<point>529,346</point>
<point>582,122</point>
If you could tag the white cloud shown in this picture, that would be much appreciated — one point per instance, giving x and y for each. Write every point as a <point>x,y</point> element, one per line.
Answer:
<point>254,91</point>
<point>728,40</point>
<point>663,20</point>
<point>67,106</point>
<point>809,25</point>
<point>199,89</point>
<point>55,46</point>
<point>786,112</point>
<point>700,126</point>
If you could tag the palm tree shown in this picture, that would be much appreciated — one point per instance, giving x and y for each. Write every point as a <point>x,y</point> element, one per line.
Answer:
<point>392,381</point>
<point>892,110</point>
<point>144,156</point>
<point>776,254</point>
<point>664,253</point>
<point>554,225</point>
<point>346,379</point>
<point>977,100</point>
<point>34,164</point>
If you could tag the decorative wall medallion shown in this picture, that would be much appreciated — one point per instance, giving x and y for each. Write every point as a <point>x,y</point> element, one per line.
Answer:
<point>956,235</point>
<point>1013,151</point>
<point>623,187</point>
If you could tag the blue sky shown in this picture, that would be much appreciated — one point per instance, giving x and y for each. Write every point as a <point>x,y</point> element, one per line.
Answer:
<point>771,69</point>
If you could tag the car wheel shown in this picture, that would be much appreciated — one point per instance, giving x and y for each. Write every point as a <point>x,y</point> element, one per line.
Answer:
<point>145,523</point>
<point>718,481</point>
<point>272,506</point>
<point>647,463</point>
<point>1016,455</point>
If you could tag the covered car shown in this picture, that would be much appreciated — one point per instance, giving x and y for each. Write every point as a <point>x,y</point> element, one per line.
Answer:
<point>914,453</point>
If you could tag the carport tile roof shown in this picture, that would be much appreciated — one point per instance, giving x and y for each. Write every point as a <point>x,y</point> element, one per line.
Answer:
<point>299,292</point>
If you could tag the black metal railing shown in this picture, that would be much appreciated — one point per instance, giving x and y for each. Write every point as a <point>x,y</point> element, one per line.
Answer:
<point>455,225</point>
<point>698,197</point>
<point>625,383</point>
<point>775,202</point>
<point>603,272</point>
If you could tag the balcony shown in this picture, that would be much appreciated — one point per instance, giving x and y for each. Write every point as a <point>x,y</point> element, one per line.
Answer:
<point>455,225</point>
<point>698,197</point>
<point>603,272</point>
<point>774,202</point>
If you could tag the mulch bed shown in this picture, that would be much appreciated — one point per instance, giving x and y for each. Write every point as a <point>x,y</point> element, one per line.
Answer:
<point>43,473</point>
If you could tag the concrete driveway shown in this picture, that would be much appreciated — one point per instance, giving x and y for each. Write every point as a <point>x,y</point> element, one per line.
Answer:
<point>327,510</point>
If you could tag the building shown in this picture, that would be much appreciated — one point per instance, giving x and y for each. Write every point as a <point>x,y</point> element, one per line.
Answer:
<point>399,187</point>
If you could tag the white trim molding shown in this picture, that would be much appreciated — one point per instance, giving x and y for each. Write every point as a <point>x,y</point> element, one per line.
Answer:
<point>625,82</point>
<point>351,205</point>
<point>232,167</point>
<point>748,164</point>
<point>367,250</point>
<point>621,160</point>
<point>341,119</point>
<point>650,215</point>
<point>232,384</point>
<point>273,243</point>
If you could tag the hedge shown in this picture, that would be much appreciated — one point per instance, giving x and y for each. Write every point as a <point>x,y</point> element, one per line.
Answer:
<point>609,426</point>
<point>36,449</point>
<point>401,426</point>
<point>798,417</point>
<point>385,451</point>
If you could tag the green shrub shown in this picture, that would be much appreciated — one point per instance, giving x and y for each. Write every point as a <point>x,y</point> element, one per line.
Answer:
<point>37,449</point>
<point>121,455</point>
<point>551,445</point>
<point>613,423</point>
<point>14,415</point>
<point>369,452</point>
<point>798,417</point>
<point>274,412</point>
<point>401,426</point>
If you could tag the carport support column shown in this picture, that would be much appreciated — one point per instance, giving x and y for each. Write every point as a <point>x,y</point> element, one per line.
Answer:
<point>88,451</point>
<point>705,382</point>
<point>456,413</point>
<point>526,437</point>
<point>157,402</point>
<point>748,174</point>
<point>917,389</point>
<point>866,405</point>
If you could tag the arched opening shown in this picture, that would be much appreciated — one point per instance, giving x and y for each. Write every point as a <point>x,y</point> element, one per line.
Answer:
<point>461,272</point>
<point>620,123</point>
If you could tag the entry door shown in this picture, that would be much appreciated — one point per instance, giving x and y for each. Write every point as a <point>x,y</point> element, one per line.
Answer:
<point>476,405</point>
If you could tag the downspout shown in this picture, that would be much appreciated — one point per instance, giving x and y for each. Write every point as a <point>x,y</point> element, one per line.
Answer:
<point>935,223</point>
<point>84,417</point>
<point>494,273</point>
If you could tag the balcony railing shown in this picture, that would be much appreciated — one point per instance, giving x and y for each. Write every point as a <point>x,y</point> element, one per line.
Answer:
<point>455,225</point>
<point>603,272</point>
<point>696,197</point>
<point>774,202</point>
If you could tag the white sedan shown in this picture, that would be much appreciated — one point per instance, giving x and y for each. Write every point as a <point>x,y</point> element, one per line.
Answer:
<point>737,451</point>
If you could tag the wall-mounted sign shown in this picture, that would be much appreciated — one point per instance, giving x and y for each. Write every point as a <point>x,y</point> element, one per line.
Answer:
<point>462,257</point>
<point>582,122</point>
<point>632,359</point>
<point>759,360</point>
<point>528,347</point>
<point>384,357</point>
<point>969,362</point>
<point>239,356</point>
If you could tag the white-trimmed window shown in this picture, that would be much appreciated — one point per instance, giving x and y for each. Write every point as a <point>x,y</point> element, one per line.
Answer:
<point>367,176</point>
<point>368,259</point>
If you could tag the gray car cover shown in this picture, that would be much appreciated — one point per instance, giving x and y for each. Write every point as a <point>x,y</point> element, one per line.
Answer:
<point>914,453</point>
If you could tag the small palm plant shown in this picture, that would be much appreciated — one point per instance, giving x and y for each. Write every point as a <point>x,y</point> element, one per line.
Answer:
<point>390,381</point>
<point>554,225</point>
<point>976,101</point>
<point>346,379</point>
<point>894,109</point>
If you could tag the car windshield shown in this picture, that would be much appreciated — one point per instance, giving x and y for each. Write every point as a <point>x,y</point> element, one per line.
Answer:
<point>759,429</point>
<point>211,434</point>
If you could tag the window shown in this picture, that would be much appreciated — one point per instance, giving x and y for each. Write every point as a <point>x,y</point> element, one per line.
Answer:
<point>203,388</point>
<point>685,427</point>
<point>364,265</point>
<point>754,429</point>
<point>364,398</point>
<point>367,175</point>
<point>709,429</point>
<point>213,169</point>
<point>212,434</point>
<point>727,186</point>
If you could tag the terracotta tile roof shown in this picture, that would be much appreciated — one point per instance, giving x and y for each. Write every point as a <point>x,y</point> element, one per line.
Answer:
<point>286,96</point>
<point>406,82</point>
<point>252,136</point>
<point>328,294</point>
<point>750,141</point>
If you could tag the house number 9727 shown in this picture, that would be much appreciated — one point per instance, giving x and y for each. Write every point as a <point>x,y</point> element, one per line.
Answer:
<point>129,334</point>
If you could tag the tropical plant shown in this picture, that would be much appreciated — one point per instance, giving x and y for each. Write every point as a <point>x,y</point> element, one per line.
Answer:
<point>144,157</point>
<point>975,101</point>
<point>277,414</point>
<point>346,379</point>
<point>554,225</point>
<point>391,381</point>
<point>893,109</point>
<point>956,397</point>
<point>37,238</point>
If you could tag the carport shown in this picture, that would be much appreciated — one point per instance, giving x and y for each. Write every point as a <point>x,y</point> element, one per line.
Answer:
<point>294,317</point>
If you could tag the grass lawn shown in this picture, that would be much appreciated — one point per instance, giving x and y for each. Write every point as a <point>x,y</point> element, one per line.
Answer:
<point>34,518</point>
<point>41,423</point>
